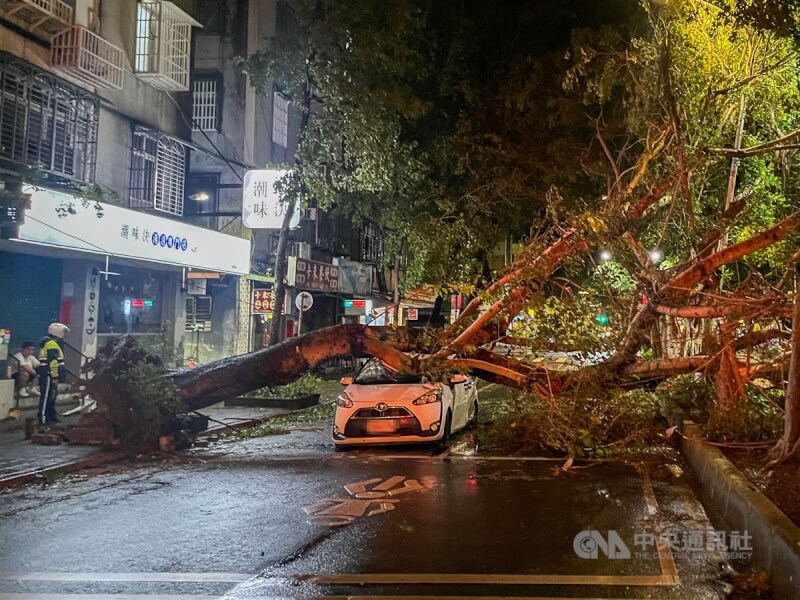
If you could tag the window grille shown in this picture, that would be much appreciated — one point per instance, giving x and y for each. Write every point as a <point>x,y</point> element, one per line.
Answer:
<point>280,120</point>
<point>163,41</point>
<point>371,246</point>
<point>47,123</point>
<point>158,169</point>
<point>198,313</point>
<point>204,104</point>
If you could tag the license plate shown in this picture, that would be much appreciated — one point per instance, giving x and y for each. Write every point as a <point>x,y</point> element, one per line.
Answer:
<point>380,426</point>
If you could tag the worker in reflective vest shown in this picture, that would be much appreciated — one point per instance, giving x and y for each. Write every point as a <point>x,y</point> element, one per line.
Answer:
<point>51,371</point>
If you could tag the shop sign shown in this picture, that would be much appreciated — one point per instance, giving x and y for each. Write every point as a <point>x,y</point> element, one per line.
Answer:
<point>312,275</point>
<point>262,206</point>
<point>116,231</point>
<point>413,314</point>
<point>263,303</point>
<point>355,278</point>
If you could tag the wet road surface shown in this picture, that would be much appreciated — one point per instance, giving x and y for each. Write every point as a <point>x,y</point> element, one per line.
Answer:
<point>287,517</point>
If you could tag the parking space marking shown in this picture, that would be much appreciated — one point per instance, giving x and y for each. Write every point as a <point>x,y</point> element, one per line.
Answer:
<point>483,579</point>
<point>665,558</point>
<point>38,596</point>
<point>157,577</point>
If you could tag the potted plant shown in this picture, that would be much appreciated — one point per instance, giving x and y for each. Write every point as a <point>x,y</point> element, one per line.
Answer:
<point>300,393</point>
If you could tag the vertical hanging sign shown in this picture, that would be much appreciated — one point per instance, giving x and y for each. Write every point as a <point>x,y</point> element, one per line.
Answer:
<point>90,313</point>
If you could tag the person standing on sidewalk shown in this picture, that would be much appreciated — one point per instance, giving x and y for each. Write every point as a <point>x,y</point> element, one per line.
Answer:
<point>51,372</point>
<point>25,366</point>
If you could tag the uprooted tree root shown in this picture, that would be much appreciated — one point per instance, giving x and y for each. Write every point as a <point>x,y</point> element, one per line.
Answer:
<point>132,389</point>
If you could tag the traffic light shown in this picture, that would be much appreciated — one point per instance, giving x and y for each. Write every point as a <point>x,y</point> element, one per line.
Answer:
<point>602,318</point>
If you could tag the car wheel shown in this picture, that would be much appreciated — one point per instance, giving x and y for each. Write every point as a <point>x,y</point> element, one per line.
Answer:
<point>473,421</point>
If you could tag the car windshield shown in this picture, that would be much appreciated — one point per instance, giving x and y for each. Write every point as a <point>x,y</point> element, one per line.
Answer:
<point>376,373</point>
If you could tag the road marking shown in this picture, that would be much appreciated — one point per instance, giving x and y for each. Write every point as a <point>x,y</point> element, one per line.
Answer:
<point>335,512</point>
<point>461,598</point>
<point>665,558</point>
<point>38,596</point>
<point>27,596</point>
<point>133,577</point>
<point>483,579</point>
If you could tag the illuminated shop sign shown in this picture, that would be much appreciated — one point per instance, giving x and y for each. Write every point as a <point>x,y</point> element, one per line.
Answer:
<point>121,232</point>
<point>262,206</point>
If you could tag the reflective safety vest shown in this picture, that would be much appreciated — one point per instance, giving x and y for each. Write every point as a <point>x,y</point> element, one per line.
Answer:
<point>52,358</point>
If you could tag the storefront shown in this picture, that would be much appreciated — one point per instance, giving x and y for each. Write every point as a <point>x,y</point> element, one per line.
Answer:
<point>106,271</point>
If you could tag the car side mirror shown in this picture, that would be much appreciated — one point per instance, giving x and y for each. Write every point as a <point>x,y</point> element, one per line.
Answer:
<point>346,380</point>
<point>458,378</point>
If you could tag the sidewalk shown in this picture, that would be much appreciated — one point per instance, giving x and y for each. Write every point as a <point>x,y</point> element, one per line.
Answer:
<point>22,462</point>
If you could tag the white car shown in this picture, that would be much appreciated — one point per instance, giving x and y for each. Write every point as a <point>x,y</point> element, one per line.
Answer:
<point>382,406</point>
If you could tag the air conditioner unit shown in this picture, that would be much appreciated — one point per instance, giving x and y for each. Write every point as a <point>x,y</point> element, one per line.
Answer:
<point>300,250</point>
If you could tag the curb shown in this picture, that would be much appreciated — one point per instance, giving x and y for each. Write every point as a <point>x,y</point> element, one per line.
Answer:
<point>61,469</point>
<point>775,537</point>
<point>254,422</point>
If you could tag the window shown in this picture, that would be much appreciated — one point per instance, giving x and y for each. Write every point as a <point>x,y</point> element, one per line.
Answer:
<point>204,104</point>
<point>157,171</point>
<point>163,41</point>
<point>198,313</point>
<point>371,244</point>
<point>280,120</point>
<point>47,123</point>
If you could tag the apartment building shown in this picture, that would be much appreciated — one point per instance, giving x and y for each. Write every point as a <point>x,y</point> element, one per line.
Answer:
<point>339,262</point>
<point>95,148</point>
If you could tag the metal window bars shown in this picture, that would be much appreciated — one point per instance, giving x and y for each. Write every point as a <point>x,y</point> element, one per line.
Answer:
<point>371,244</point>
<point>163,36</point>
<point>280,120</point>
<point>204,104</point>
<point>158,171</point>
<point>46,123</point>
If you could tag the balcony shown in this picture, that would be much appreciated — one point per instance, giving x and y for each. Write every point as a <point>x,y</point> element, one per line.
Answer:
<point>46,15</point>
<point>88,57</point>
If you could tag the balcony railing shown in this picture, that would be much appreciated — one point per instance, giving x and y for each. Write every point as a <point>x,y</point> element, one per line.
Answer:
<point>49,15</point>
<point>87,56</point>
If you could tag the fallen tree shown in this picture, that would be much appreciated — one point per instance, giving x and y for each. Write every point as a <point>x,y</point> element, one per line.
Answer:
<point>694,246</point>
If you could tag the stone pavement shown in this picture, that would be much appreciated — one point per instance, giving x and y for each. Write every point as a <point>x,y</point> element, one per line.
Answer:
<point>19,457</point>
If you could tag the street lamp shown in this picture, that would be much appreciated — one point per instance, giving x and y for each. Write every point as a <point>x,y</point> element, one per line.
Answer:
<point>656,256</point>
<point>605,255</point>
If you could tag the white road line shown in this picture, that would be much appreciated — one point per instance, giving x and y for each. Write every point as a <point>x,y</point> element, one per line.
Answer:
<point>132,577</point>
<point>462,598</point>
<point>483,579</point>
<point>38,596</point>
<point>665,558</point>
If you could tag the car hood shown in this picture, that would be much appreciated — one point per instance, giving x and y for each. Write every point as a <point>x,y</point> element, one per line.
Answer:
<point>390,393</point>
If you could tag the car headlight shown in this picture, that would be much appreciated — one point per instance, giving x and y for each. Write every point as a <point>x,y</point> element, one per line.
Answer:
<point>428,398</point>
<point>344,400</point>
